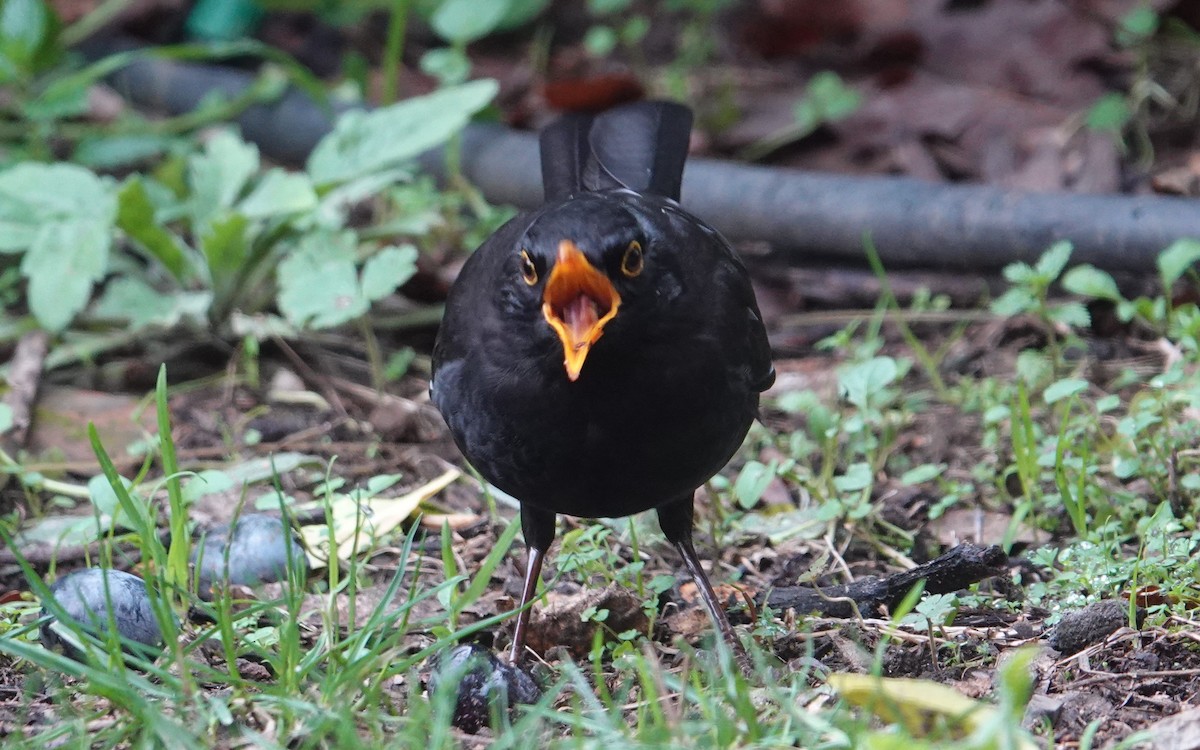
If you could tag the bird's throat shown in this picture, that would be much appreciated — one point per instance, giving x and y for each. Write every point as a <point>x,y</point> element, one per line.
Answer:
<point>578,302</point>
<point>580,315</point>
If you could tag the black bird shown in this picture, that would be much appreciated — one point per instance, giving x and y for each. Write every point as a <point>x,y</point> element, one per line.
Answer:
<point>603,355</point>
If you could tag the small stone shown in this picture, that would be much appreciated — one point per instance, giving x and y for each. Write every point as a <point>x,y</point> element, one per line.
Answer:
<point>1092,624</point>
<point>83,598</point>
<point>257,554</point>
<point>483,680</point>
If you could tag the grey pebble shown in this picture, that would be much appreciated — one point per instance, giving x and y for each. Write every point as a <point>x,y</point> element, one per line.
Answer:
<point>257,553</point>
<point>82,596</point>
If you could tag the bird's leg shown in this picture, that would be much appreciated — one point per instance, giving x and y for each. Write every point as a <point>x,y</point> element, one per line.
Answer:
<point>538,526</point>
<point>675,518</point>
<point>533,571</point>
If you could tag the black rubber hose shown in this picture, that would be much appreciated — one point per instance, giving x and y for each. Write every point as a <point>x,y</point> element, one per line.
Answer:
<point>801,214</point>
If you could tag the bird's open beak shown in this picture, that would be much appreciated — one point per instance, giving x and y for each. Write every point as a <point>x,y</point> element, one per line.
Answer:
<point>578,302</point>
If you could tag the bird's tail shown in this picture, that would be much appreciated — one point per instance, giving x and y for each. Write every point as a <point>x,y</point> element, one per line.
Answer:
<point>640,146</point>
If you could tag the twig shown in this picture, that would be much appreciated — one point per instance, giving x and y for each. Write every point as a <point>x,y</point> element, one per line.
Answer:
<point>960,567</point>
<point>24,375</point>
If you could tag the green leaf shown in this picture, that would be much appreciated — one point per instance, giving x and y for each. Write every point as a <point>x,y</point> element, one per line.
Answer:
<point>463,21</point>
<point>752,482</point>
<point>600,40</point>
<point>1137,25</point>
<point>277,194</point>
<point>1064,388</point>
<point>1072,314</point>
<point>1089,281</point>
<point>6,418</point>
<point>218,175</point>
<point>922,473</point>
<point>34,195</point>
<point>1177,259</point>
<point>133,300</point>
<point>64,215</point>
<point>66,97</point>
<point>225,246</point>
<point>1013,302</point>
<point>447,64</point>
<point>366,142</point>
<point>857,478</point>
<point>1110,114</point>
<point>27,38</point>
<point>834,100</point>
<point>1054,260</point>
<point>1018,273</point>
<point>111,151</point>
<point>388,269</point>
<point>862,382</point>
<point>318,283</point>
<point>135,217</point>
<point>66,259</point>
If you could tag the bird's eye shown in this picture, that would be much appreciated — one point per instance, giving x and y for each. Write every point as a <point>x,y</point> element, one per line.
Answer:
<point>632,261</point>
<point>528,270</point>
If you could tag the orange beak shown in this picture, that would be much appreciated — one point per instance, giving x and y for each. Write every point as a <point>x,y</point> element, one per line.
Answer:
<point>578,302</point>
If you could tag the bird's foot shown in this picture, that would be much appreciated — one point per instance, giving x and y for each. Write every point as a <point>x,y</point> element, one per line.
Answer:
<point>483,684</point>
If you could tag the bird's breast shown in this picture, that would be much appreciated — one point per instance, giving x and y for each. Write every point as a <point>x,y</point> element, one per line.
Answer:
<point>627,436</point>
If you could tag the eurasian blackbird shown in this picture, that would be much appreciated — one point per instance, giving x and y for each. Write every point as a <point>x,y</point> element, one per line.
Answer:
<point>604,354</point>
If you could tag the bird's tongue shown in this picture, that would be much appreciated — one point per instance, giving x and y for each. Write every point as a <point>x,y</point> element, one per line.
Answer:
<point>580,316</point>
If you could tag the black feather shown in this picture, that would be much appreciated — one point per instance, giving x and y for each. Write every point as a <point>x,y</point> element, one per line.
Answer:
<point>640,146</point>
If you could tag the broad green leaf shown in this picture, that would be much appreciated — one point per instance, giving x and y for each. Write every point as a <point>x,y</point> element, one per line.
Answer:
<point>1109,114</point>
<point>862,382</point>
<point>1064,388</point>
<point>225,246</point>
<point>832,98</point>
<point>206,482</point>
<point>1089,281</point>
<point>66,259</point>
<point>27,29</point>
<point>1013,302</point>
<point>63,530</point>
<point>365,142</point>
<point>33,194</point>
<point>64,215</point>
<point>1018,272</point>
<point>857,477</point>
<point>110,151</point>
<point>279,193</point>
<point>1054,260</point>
<point>388,269</point>
<point>135,217</point>
<point>133,300</point>
<point>463,21</point>
<point>318,282</point>
<point>600,40</point>
<point>219,174</point>
<point>752,482</point>
<point>1177,259</point>
<point>449,65</point>
<point>66,97</point>
<point>922,473</point>
<point>6,418</point>
<point>1072,314</point>
<point>336,203</point>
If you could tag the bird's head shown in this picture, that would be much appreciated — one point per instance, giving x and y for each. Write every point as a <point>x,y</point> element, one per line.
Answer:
<point>581,263</point>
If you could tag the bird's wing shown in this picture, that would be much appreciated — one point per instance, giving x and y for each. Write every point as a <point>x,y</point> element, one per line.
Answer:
<point>640,146</point>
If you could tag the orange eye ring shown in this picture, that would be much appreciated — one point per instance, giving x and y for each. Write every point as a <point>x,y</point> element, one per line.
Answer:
<point>633,261</point>
<point>528,270</point>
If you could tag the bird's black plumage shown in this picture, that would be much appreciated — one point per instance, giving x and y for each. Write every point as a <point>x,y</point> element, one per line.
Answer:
<point>674,353</point>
